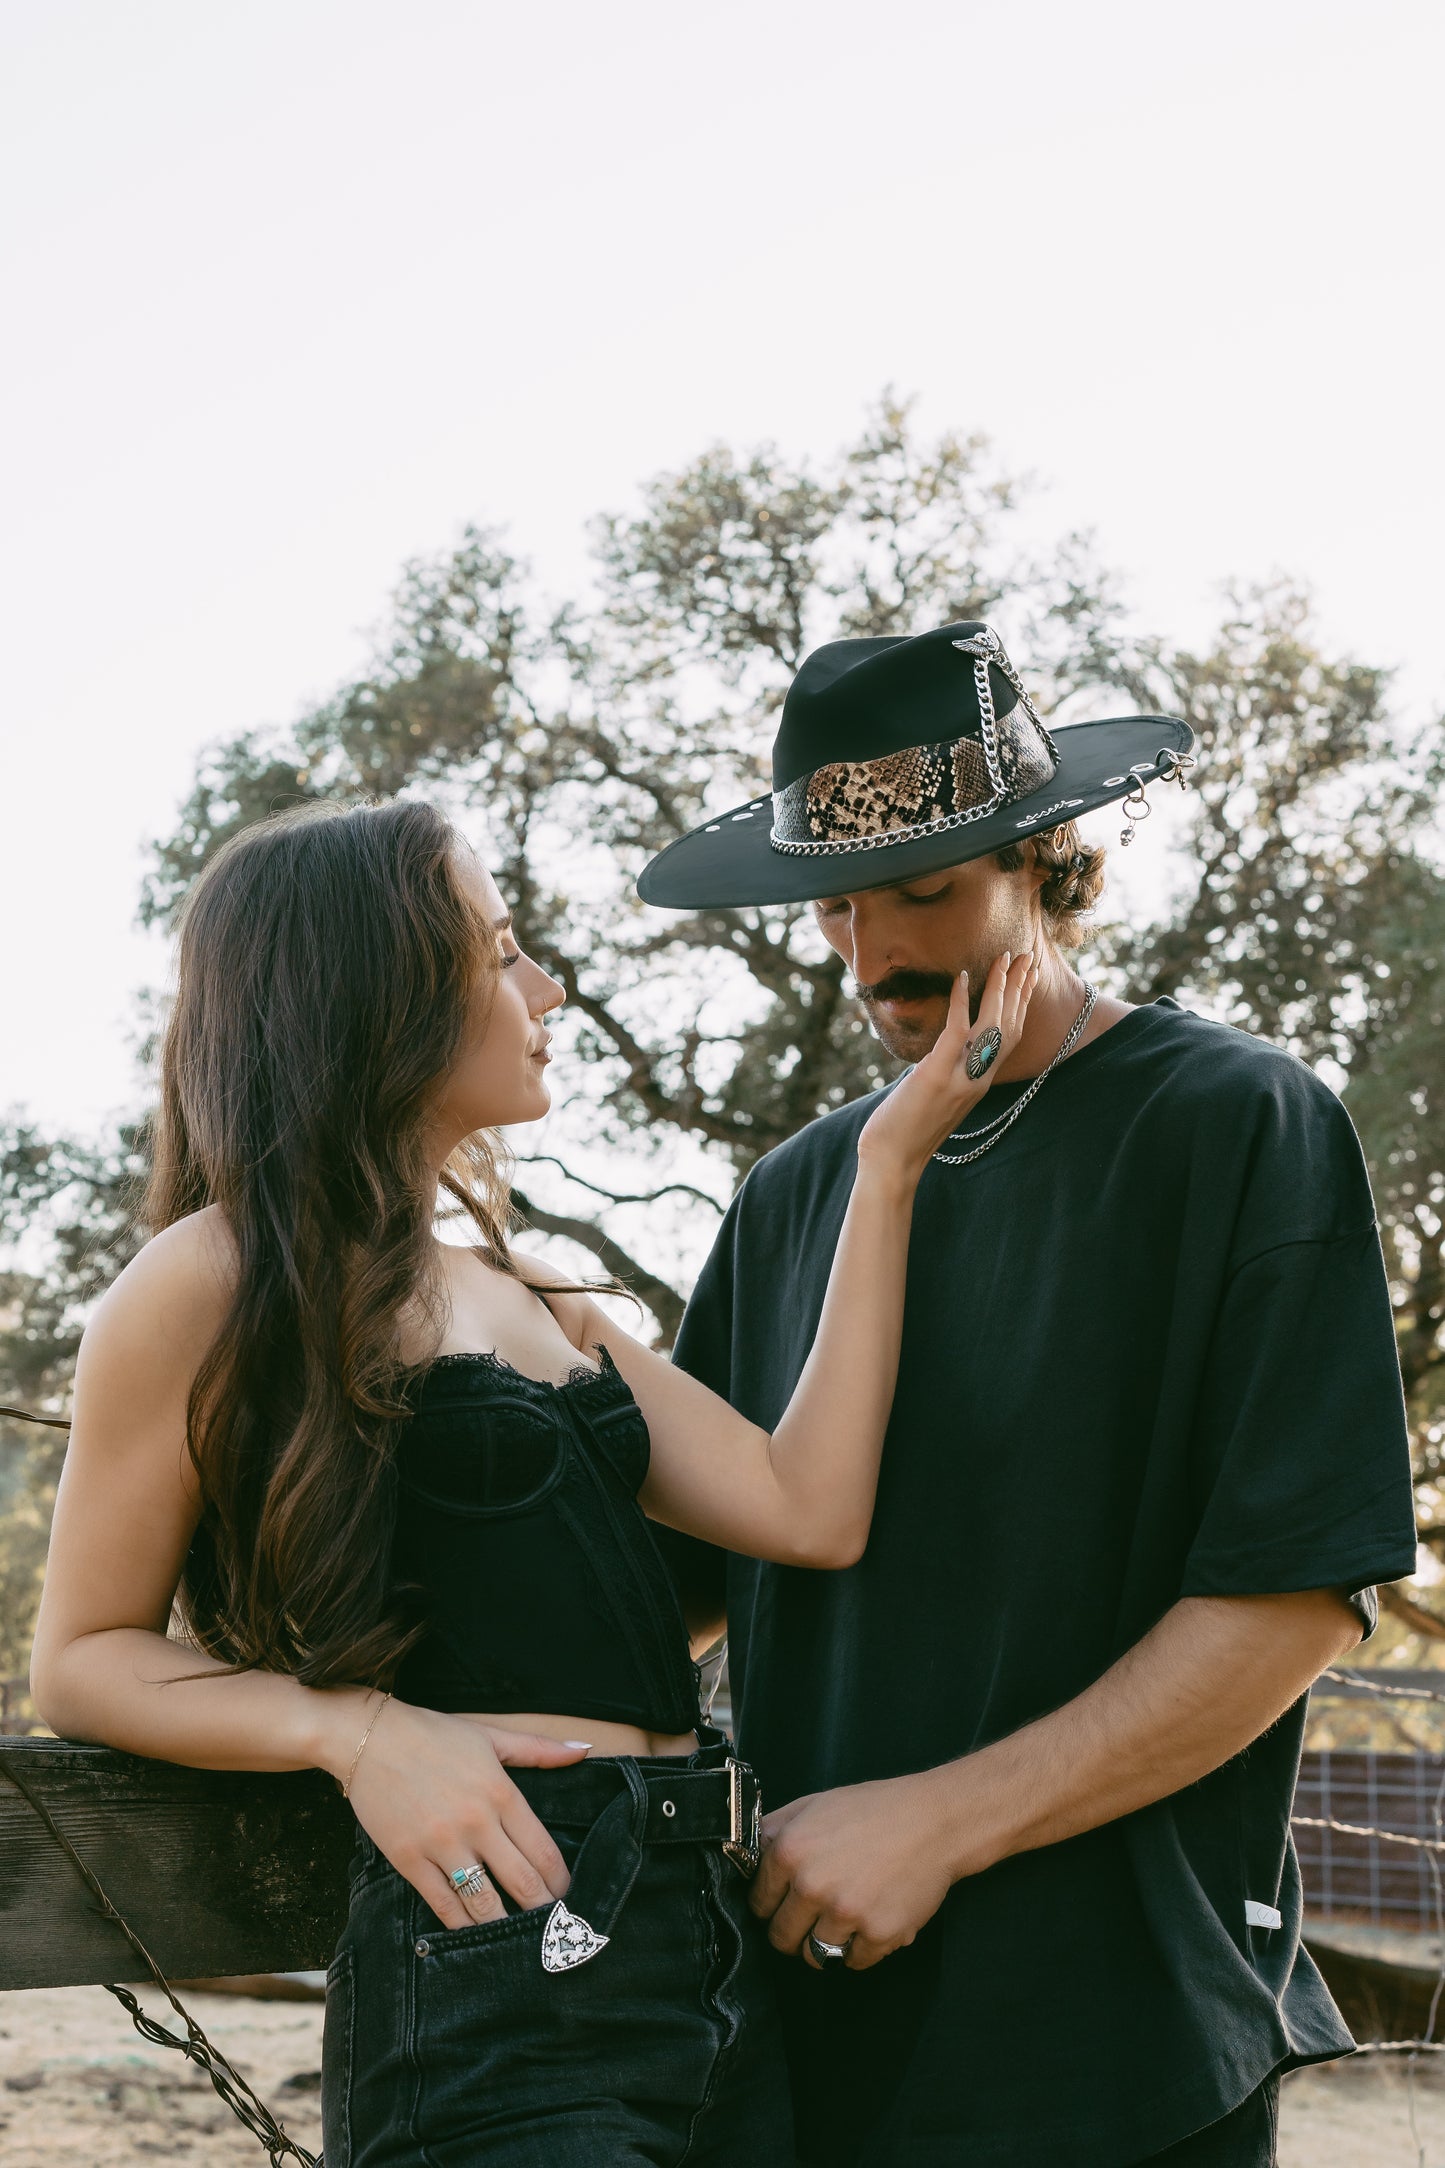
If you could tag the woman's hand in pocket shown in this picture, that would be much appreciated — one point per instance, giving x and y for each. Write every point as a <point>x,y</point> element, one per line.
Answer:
<point>431,1791</point>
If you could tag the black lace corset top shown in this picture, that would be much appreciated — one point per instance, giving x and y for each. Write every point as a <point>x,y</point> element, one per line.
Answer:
<point>535,1568</point>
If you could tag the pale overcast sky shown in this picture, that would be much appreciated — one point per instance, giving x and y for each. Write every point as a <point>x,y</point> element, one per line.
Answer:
<point>292,290</point>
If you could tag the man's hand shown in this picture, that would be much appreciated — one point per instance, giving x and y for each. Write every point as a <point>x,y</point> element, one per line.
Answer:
<point>868,1860</point>
<point>875,1861</point>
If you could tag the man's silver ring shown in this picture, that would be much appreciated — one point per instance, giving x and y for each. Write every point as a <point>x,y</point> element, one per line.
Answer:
<point>983,1052</point>
<point>472,1881</point>
<point>824,1953</point>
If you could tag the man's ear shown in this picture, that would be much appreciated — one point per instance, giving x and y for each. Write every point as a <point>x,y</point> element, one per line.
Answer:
<point>1034,866</point>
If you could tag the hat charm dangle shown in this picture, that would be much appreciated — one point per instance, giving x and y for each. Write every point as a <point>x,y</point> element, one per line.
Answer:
<point>1168,766</point>
<point>1135,808</point>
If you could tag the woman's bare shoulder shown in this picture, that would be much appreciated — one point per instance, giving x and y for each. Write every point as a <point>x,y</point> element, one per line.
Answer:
<point>169,1302</point>
<point>573,1309</point>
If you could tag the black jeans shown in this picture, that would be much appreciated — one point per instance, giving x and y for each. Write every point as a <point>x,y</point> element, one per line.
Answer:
<point>1245,2138</point>
<point>444,2046</point>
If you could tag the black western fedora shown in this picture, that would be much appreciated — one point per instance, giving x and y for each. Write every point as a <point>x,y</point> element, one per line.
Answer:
<point>897,757</point>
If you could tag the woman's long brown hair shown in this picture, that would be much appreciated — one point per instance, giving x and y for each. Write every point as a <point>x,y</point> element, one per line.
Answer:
<point>330,970</point>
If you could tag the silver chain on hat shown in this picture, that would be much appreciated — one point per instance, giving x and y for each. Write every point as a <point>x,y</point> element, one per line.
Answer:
<point>986,647</point>
<point>1001,1122</point>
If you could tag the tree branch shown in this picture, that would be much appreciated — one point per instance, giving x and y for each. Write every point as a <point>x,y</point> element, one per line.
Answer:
<point>1412,1614</point>
<point>665,1303</point>
<point>650,1196</point>
<point>684,1112</point>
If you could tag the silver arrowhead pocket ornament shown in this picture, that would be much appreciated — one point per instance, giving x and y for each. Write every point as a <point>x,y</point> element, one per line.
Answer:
<point>568,1940</point>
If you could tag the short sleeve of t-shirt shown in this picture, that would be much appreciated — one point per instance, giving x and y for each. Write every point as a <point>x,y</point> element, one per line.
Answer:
<point>704,1340</point>
<point>1300,1461</point>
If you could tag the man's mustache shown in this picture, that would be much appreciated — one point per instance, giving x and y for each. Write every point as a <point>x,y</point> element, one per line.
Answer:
<point>907,986</point>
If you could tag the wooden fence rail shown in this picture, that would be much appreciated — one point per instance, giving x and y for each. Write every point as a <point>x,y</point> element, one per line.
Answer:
<point>219,1871</point>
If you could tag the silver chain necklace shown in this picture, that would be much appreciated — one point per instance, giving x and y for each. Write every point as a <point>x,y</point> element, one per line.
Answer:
<point>1001,1122</point>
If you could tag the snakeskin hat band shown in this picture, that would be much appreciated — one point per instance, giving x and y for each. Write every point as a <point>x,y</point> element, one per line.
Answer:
<point>897,756</point>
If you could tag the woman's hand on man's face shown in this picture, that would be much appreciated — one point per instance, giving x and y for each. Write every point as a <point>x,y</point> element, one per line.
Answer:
<point>918,1114</point>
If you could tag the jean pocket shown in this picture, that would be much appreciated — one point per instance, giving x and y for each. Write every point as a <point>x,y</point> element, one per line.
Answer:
<point>518,1924</point>
<point>338,2055</point>
<point>434,1940</point>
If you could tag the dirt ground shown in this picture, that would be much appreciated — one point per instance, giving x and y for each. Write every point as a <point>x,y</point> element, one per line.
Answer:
<point>1364,2112</point>
<point>80,2088</point>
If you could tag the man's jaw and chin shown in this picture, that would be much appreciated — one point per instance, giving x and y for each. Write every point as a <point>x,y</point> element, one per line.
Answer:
<point>908,1029</point>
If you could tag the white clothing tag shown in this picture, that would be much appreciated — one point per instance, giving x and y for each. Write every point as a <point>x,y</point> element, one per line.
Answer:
<point>1258,1915</point>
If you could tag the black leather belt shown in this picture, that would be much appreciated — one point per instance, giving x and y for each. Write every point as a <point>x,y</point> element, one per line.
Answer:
<point>684,1806</point>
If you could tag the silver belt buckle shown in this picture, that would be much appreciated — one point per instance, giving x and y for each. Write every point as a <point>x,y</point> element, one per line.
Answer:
<point>743,1843</point>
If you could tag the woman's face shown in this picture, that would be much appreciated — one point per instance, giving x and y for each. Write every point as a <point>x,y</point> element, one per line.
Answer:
<point>500,1075</point>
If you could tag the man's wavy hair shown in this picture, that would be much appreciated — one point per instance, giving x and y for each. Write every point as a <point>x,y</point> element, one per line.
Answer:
<point>1074,883</point>
<point>331,968</point>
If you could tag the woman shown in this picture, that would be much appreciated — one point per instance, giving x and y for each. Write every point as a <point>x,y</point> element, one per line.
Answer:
<point>398,1490</point>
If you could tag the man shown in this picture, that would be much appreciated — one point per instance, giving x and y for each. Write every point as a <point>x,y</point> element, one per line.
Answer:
<point>1028,1863</point>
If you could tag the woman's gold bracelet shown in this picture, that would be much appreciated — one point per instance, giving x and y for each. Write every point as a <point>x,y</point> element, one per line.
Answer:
<point>346,1787</point>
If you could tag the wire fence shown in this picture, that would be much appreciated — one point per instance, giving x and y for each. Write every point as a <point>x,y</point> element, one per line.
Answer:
<point>1370,1832</point>
<point>1369,1829</point>
<point>1361,1819</point>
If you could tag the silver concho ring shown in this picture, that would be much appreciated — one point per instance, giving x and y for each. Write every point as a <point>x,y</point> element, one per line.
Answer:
<point>983,1052</point>
<point>827,1953</point>
<point>474,1881</point>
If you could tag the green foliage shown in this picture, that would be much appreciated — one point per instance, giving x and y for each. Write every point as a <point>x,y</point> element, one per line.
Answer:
<point>587,742</point>
<point>582,739</point>
<point>77,1204</point>
<point>1312,916</point>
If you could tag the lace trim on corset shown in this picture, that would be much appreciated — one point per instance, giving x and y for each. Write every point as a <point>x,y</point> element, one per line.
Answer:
<point>578,1378</point>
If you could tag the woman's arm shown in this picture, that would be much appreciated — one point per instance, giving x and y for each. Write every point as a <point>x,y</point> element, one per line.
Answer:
<point>430,1788</point>
<point>804,1495</point>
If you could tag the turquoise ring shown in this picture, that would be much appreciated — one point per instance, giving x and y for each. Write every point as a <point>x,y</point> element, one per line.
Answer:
<point>983,1052</point>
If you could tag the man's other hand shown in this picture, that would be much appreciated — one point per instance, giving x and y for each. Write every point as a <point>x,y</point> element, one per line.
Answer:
<point>867,1861</point>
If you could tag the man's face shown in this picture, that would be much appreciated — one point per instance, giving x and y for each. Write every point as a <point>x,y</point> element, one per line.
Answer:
<point>906,944</point>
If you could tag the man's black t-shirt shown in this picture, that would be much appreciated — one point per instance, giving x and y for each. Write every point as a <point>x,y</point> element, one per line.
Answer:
<point>1148,1353</point>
